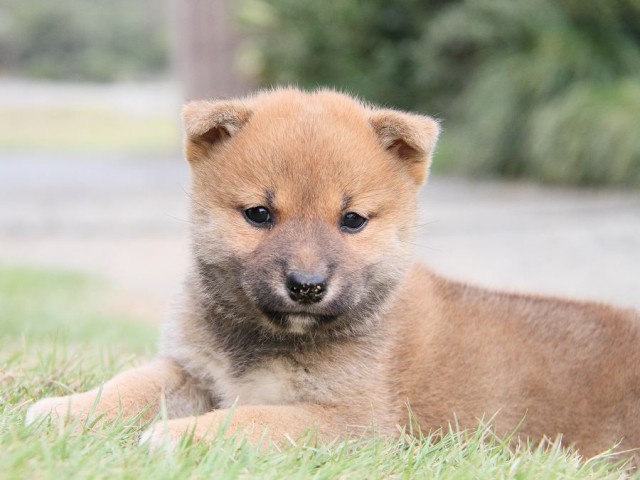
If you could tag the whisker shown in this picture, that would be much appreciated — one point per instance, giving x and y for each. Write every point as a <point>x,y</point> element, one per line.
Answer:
<point>189,194</point>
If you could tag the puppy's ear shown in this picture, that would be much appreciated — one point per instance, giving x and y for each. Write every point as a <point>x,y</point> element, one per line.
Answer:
<point>411,138</point>
<point>208,123</point>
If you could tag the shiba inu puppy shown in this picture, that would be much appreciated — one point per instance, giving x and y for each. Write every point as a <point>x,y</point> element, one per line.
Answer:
<point>305,309</point>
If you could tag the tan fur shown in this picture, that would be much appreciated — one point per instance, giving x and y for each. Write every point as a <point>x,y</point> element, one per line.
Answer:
<point>401,333</point>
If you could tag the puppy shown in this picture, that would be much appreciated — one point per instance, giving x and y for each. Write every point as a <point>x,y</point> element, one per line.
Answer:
<point>304,309</point>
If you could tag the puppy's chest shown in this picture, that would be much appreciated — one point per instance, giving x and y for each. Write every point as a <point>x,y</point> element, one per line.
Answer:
<point>273,382</point>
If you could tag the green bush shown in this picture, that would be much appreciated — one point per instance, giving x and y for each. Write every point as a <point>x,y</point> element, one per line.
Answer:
<point>364,47</point>
<point>526,88</point>
<point>83,39</point>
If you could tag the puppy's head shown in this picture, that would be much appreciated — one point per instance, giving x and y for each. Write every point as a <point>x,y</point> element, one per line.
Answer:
<point>304,206</point>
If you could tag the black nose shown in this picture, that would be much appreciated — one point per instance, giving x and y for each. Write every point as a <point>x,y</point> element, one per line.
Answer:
<point>306,288</point>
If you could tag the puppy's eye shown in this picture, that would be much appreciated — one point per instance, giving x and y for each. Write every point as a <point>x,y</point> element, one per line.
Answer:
<point>352,222</point>
<point>258,217</point>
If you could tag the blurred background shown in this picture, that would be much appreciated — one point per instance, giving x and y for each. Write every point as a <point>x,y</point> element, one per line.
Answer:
<point>535,185</point>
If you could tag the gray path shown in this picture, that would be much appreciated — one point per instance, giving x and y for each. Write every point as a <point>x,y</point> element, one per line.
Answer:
<point>124,219</point>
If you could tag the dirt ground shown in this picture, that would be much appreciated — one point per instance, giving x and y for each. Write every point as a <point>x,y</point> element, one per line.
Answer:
<point>125,219</point>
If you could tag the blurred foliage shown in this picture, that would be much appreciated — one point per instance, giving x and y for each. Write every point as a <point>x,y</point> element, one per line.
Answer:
<point>362,46</point>
<point>84,39</point>
<point>526,88</point>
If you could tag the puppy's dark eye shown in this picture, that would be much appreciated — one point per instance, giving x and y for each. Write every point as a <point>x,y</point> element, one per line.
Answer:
<point>258,217</point>
<point>352,222</point>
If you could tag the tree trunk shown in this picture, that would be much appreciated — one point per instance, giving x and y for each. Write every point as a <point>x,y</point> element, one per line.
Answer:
<point>206,41</point>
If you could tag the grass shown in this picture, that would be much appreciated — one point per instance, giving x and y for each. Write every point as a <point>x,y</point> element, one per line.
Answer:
<point>77,130</point>
<point>57,337</point>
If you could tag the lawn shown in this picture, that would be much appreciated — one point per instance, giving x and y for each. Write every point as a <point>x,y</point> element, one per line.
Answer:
<point>87,130</point>
<point>57,336</point>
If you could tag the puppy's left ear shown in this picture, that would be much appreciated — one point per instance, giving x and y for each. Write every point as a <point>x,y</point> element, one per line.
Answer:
<point>410,138</point>
<point>208,124</point>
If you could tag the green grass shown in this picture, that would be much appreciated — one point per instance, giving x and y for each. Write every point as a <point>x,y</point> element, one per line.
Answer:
<point>86,131</point>
<point>57,336</point>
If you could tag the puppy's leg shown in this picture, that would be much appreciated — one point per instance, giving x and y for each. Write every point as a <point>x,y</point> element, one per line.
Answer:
<point>130,393</point>
<point>282,424</point>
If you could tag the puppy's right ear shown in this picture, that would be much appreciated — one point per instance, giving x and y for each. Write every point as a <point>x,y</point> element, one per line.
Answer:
<point>409,137</point>
<point>208,123</point>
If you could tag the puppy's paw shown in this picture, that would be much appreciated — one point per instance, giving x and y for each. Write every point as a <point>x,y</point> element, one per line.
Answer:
<point>162,436</point>
<point>72,408</point>
<point>55,408</point>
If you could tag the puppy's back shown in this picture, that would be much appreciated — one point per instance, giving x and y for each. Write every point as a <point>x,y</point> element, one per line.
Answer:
<point>544,364</point>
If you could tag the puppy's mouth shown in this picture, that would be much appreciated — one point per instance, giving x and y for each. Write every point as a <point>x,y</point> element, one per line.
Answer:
<point>298,322</point>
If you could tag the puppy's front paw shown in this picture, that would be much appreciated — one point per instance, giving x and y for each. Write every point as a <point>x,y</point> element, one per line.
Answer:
<point>162,436</point>
<point>54,407</point>
<point>65,409</point>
